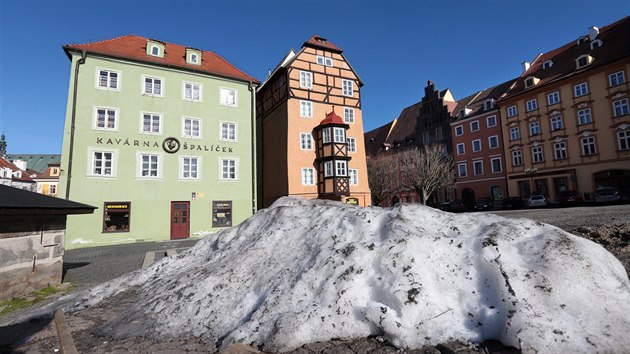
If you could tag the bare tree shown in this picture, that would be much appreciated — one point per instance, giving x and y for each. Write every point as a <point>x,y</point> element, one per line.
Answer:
<point>426,171</point>
<point>383,178</point>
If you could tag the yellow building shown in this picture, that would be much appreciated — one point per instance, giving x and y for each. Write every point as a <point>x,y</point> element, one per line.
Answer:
<point>566,122</point>
<point>301,91</point>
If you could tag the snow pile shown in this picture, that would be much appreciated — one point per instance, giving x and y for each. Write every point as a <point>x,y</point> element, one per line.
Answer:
<point>305,271</point>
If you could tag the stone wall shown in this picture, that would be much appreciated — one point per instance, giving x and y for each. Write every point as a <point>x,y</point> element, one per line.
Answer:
<point>31,251</point>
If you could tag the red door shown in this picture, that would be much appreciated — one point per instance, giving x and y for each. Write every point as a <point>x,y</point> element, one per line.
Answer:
<point>180,220</point>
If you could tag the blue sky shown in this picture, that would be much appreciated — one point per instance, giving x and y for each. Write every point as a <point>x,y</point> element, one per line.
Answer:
<point>395,46</point>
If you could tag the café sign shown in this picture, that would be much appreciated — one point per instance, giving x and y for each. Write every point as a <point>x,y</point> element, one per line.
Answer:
<point>170,145</point>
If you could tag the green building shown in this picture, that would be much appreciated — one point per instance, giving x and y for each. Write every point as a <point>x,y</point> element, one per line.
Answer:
<point>158,136</point>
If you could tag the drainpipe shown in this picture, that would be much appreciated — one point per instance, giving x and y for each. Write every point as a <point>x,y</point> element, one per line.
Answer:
<point>74,115</point>
<point>252,89</point>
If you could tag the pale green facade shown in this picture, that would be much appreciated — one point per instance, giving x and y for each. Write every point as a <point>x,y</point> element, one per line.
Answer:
<point>149,198</point>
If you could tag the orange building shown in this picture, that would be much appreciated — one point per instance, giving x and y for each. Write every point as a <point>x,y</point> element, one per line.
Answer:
<point>298,95</point>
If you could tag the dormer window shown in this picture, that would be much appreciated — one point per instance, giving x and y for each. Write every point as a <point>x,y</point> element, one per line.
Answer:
<point>155,48</point>
<point>547,64</point>
<point>462,113</point>
<point>193,56</point>
<point>531,81</point>
<point>582,39</point>
<point>488,104</point>
<point>583,60</point>
<point>596,44</point>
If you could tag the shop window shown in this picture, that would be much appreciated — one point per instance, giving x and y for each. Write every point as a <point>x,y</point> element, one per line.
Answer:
<point>116,216</point>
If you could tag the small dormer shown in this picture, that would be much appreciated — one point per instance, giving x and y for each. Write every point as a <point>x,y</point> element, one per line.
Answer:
<point>155,48</point>
<point>583,60</point>
<point>531,81</point>
<point>581,40</point>
<point>464,112</point>
<point>489,104</point>
<point>547,64</point>
<point>596,44</point>
<point>193,56</point>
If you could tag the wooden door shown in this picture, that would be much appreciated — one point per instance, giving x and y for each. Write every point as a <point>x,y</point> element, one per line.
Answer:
<point>180,220</point>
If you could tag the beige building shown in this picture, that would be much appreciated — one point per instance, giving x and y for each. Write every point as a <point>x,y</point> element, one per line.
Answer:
<point>301,91</point>
<point>566,119</point>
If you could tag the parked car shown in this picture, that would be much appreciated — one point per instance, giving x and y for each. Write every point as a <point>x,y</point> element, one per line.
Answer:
<point>512,203</point>
<point>607,195</point>
<point>457,206</point>
<point>483,204</point>
<point>537,200</point>
<point>571,198</point>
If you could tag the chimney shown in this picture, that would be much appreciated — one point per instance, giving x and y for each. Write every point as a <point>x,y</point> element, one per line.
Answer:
<point>525,65</point>
<point>593,32</point>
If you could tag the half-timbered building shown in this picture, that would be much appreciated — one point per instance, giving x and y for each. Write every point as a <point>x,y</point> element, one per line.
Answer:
<point>304,89</point>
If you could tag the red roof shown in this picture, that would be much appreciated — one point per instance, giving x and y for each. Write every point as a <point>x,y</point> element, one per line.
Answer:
<point>332,118</point>
<point>6,164</point>
<point>133,47</point>
<point>321,42</point>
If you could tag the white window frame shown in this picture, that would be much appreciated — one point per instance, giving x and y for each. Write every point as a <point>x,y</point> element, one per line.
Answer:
<point>353,175</point>
<point>534,128</point>
<point>517,157</point>
<point>494,138</point>
<point>623,140</point>
<point>459,130</point>
<point>92,160</point>
<point>306,109</point>
<point>306,141</point>
<point>328,169</point>
<point>491,121</point>
<point>478,143</point>
<point>192,174</point>
<point>352,144</point>
<point>512,111</point>
<point>492,165</point>
<point>191,135</point>
<point>582,114</point>
<point>462,172</point>
<point>476,124</point>
<point>478,167</point>
<point>560,150</point>
<point>326,135</point>
<point>531,105</point>
<point>152,92</point>
<point>339,135</point>
<point>228,127</point>
<point>617,78</point>
<point>553,98</point>
<point>306,79</point>
<point>140,157</point>
<point>556,123</point>
<point>108,85</point>
<point>224,175</point>
<point>107,110</point>
<point>325,61</point>
<point>151,50</point>
<point>620,107</point>
<point>347,87</point>
<point>192,91</point>
<point>580,89</point>
<point>153,115</point>
<point>538,155</point>
<point>461,149</point>
<point>348,115</point>
<point>308,176</point>
<point>515,133</point>
<point>225,96</point>
<point>341,168</point>
<point>588,146</point>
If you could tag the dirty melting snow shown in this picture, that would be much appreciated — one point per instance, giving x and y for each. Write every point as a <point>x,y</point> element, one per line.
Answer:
<point>304,271</point>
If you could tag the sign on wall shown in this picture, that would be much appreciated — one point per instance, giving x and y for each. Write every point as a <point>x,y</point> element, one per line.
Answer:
<point>221,213</point>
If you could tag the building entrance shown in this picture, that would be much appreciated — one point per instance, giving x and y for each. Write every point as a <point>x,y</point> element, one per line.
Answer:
<point>180,220</point>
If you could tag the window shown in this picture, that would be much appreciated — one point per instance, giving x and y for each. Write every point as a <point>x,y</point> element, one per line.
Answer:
<point>426,138</point>
<point>491,121</point>
<point>339,135</point>
<point>534,128</point>
<point>326,135</point>
<point>512,111</point>
<point>474,126</point>
<point>192,91</point>
<point>116,216</point>
<point>461,149</point>
<point>106,118</point>
<point>194,58</point>
<point>461,169</point>
<point>493,142</point>
<point>328,168</point>
<point>102,163</point>
<point>553,98</point>
<point>515,134</point>
<point>324,61</point>
<point>348,115</point>
<point>478,167</point>
<point>580,89</point>
<point>229,97</point>
<point>496,165</point>
<point>53,189</point>
<point>616,79</point>
<point>354,176</point>
<point>155,50</point>
<point>192,128</point>
<point>620,107</point>
<point>531,105</point>
<point>476,145</point>
<point>623,139</point>
<point>596,44</point>
<point>228,131</point>
<point>547,64</point>
<point>438,133</point>
<point>108,79</point>
<point>347,86</point>
<point>588,146</point>
<point>556,123</point>
<point>341,167</point>
<point>459,130</point>
<point>352,144</point>
<point>189,167</point>
<point>560,150</point>
<point>306,79</point>
<point>488,104</point>
<point>229,169</point>
<point>306,109</point>
<point>537,154</point>
<point>308,176</point>
<point>529,82</point>
<point>151,123</point>
<point>306,141</point>
<point>152,86</point>
<point>149,165</point>
<point>517,158</point>
<point>582,61</point>
<point>584,116</point>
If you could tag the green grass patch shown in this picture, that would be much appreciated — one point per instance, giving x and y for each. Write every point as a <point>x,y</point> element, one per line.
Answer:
<point>23,302</point>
